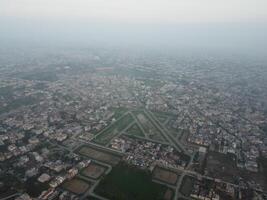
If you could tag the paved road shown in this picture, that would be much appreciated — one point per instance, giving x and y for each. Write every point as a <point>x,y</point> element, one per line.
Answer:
<point>139,125</point>
<point>120,133</point>
<point>90,192</point>
<point>169,137</point>
<point>106,128</point>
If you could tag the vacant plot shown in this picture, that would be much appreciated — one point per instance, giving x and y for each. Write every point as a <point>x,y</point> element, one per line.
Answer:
<point>165,175</point>
<point>125,182</point>
<point>93,171</point>
<point>100,155</point>
<point>113,130</point>
<point>135,131</point>
<point>221,166</point>
<point>187,186</point>
<point>76,186</point>
<point>224,166</point>
<point>168,194</point>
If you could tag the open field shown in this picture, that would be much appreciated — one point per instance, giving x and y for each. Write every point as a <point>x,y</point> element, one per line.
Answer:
<point>224,166</point>
<point>135,131</point>
<point>99,155</point>
<point>125,182</point>
<point>220,165</point>
<point>151,130</point>
<point>187,186</point>
<point>76,186</point>
<point>168,195</point>
<point>93,171</point>
<point>113,130</point>
<point>165,175</point>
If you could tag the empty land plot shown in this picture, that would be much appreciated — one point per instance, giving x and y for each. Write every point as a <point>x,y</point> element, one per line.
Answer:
<point>151,131</point>
<point>187,186</point>
<point>99,155</point>
<point>168,194</point>
<point>76,186</point>
<point>94,171</point>
<point>221,166</point>
<point>113,130</point>
<point>165,175</point>
<point>127,182</point>
<point>135,131</point>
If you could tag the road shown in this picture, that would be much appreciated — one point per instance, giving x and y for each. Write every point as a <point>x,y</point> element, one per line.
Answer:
<point>164,132</point>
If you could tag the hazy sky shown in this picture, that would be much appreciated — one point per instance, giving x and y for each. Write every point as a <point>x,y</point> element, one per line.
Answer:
<point>226,24</point>
<point>139,11</point>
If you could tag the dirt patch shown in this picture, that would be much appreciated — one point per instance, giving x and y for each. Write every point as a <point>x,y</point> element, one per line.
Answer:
<point>94,171</point>
<point>76,186</point>
<point>165,175</point>
<point>168,194</point>
<point>100,155</point>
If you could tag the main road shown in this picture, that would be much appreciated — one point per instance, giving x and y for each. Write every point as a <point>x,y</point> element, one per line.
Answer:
<point>175,143</point>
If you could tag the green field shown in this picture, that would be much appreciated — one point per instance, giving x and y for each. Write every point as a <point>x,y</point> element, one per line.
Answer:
<point>125,182</point>
<point>187,186</point>
<point>148,126</point>
<point>113,130</point>
<point>17,103</point>
<point>135,131</point>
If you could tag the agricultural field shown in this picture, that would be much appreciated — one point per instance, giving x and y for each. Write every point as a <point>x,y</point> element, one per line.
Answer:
<point>165,175</point>
<point>76,186</point>
<point>125,182</point>
<point>148,126</point>
<point>113,130</point>
<point>135,130</point>
<point>99,155</point>
<point>94,171</point>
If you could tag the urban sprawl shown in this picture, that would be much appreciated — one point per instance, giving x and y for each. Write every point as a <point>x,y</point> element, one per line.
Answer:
<point>196,126</point>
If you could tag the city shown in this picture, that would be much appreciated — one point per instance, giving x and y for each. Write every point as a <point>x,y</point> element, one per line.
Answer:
<point>188,128</point>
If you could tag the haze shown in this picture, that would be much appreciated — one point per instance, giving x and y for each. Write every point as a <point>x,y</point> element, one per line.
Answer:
<point>228,25</point>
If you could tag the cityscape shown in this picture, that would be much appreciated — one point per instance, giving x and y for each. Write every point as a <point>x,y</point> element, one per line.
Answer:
<point>133,100</point>
<point>187,128</point>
